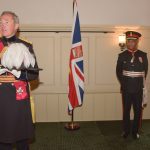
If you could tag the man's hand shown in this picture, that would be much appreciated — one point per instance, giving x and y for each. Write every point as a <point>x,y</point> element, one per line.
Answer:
<point>144,105</point>
<point>4,70</point>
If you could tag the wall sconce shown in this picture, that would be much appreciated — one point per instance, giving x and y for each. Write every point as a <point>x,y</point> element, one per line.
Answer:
<point>122,41</point>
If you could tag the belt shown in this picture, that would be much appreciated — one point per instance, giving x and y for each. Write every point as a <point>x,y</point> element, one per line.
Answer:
<point>7,79</point>
<point>133,74</point>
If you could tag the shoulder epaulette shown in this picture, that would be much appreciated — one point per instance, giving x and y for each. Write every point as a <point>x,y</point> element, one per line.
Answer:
<point>142,52</point>
<point>25,40</point>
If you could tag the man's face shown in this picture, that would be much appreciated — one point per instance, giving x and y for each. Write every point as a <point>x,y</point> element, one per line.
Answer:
<point>7,25</point>
<point>132,44</point>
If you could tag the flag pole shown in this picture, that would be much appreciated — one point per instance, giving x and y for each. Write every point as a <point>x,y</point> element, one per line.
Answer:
<point>72,125</point>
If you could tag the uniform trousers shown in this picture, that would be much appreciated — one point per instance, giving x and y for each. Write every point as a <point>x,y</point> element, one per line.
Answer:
<point>135,100</point>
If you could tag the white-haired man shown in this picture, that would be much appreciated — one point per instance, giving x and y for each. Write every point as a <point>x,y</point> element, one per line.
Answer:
<point>16,125</point>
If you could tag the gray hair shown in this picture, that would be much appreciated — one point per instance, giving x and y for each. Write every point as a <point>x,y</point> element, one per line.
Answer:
<point>14,16</point>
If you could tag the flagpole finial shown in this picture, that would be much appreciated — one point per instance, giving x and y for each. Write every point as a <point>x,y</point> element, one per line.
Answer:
<point>74,1</point>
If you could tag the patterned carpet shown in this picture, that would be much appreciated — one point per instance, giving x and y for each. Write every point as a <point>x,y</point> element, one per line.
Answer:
<point>91,136</point>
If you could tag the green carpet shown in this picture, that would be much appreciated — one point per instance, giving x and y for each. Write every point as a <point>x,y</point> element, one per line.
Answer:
<point>91,136</point>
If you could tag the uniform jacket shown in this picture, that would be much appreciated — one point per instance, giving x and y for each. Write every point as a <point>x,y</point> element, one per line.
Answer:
<point>140,64</point>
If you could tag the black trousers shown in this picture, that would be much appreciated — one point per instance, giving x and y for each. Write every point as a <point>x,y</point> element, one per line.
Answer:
<point>130,99</point>
<point>20,145</point>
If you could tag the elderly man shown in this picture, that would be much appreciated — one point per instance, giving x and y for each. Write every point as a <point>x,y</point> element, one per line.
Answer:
<point>17,67</point>
<point>132,67</point>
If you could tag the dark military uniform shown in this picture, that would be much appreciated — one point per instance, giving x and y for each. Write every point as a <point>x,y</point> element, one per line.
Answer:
<point>131,69</point>
<point>15,115</point>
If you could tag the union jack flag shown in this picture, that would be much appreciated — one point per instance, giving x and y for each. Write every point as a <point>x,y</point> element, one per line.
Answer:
<point>76,74</point>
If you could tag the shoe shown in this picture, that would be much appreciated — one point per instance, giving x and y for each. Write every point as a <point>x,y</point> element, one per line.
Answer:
<point>135,136</point>
<point>125,135</point>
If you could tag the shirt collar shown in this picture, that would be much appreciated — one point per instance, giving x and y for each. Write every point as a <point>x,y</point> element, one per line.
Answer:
<point>132,51</point>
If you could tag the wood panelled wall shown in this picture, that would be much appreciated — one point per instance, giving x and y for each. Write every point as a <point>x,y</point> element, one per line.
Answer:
<point>102,95</point>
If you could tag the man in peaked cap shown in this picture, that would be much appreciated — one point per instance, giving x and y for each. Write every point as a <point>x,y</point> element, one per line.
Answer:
<point>131,70</point>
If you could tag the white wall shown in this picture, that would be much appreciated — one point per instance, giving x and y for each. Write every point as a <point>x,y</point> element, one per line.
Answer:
<point>116,12</point>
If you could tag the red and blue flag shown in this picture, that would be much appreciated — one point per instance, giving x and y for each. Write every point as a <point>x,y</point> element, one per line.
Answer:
<point>76,73</point>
